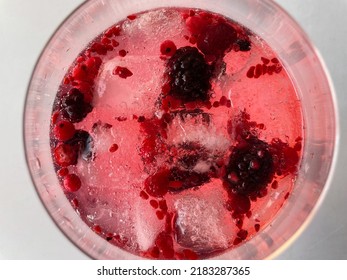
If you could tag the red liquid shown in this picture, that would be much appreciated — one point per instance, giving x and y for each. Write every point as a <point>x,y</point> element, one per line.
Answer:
<point>177,170</point>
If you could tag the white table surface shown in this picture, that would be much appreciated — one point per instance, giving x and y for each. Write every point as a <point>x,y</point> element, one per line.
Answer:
<point>26,231</point>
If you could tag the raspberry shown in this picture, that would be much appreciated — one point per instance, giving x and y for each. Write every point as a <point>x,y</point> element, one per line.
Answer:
<point>65,155</point>
<point>73,106</point>
<point>189,75</point>
<point>217,39</point>
<point>250,167</point>
<point>72,183</point>
<point>63,130</point>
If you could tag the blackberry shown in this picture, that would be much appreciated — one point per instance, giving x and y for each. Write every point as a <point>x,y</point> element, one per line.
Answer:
<point>244,45</point>
<point>189,75</point>
<point>74,107</point>
<point>83,144</point>
<point>251,167</point>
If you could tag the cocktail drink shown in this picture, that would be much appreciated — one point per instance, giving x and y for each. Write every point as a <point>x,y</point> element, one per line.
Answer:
<point>177,133</point>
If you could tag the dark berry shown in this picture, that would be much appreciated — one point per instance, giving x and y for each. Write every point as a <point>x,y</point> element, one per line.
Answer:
<point>83,144</point>
<point>186,179</point>
<point>63,130</point>
<point>242,234</point>
<point>65,155</point>
<point>217,39</point>
<point>286,158</point>
<point>157,184</point>
<point>72,183</point>
<point>189,75</point>
<point>244,45</point>
<point>250,167</point>
<point>74,107</point>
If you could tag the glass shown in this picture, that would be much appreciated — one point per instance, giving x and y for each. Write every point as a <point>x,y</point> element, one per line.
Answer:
<point>264,18</point>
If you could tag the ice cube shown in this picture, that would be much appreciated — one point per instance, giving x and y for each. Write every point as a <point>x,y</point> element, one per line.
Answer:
<point>202,222</point>
<point>135,94</point>
<point>195,129</point>
<point>146,229</point>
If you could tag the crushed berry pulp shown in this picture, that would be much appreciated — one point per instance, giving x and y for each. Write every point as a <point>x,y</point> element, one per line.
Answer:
<point>177,134</point>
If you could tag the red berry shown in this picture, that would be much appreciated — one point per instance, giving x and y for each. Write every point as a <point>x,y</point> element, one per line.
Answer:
<point>163,205</point>
<point>106,41</point>
<point>217,39</point>
<point>215,104</point>
<point>265,60</point>
<point>242,234</point>
<point>154,203</point>
<point>122,53</point>
<point>122,72</point>
<point>190,255</point>
<point>114,43</point>
<point>237,241</point>
<point>144,195</point>
<point>113,31</point>
<point>99,48</point>
<point>239,204</point>
<point>72,183</point>
<point>258,71</point>
<point>165,244</point>
<point>257,227</point>
<point>97,229</point>
<point>63,130</point>
<point>154,252</point>
<point>160,214</point>
<point>74,203</point>
<point>223,101</point>
<point>168,48</point>
<point>63,172</point>
<point>157,184</point>
<point>65,155</point>
<point>113,148</point>
<point>131,17</point>
<point>250,72</point>
<point>196,24</point>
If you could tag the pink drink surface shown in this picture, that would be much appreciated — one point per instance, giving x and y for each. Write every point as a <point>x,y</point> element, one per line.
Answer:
<point>176,134</point>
